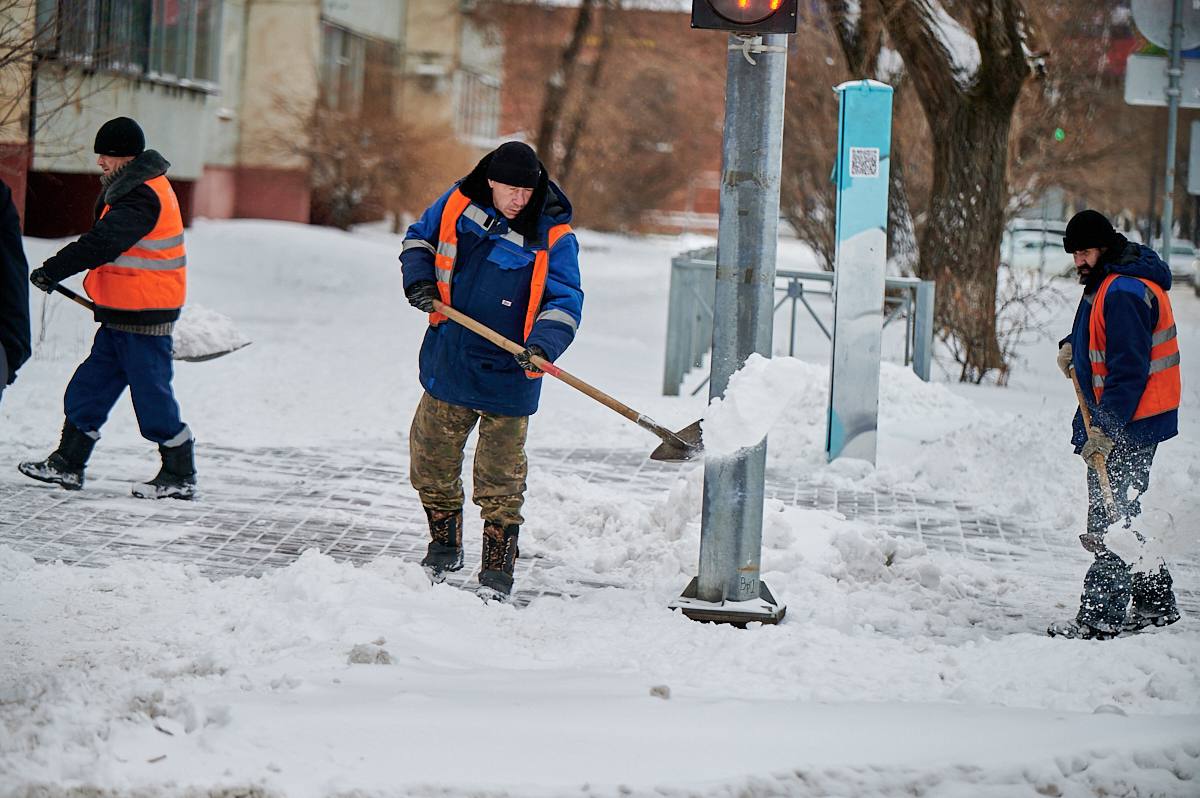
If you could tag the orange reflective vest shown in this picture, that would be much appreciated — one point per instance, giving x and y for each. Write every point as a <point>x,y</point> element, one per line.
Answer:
<point>152,274</point>
<point>1163,389</point>
<point>447,252</point>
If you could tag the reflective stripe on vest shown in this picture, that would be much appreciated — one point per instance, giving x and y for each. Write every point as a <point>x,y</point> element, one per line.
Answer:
<point>151,274</point>
<point>1163,390</point>
<point>447,250</point>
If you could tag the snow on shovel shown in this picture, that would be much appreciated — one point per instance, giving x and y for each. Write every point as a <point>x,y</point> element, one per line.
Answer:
<point>676,447</point>
<point>200,334</point>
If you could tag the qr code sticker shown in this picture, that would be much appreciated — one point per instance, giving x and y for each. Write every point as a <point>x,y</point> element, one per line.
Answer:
<point>864,162</point>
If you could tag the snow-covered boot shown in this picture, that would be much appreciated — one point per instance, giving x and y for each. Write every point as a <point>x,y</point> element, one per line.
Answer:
<point>499,558</point>
<point>1076,630</point>
<point>1137,621</point>
<point>177,477</point>
<point>65,464</point>
<point>445,552</point>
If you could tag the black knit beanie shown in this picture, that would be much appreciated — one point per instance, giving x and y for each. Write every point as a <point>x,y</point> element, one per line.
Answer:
<point>120,137</point>
<point>514,164</point>
<point>1088,229</point>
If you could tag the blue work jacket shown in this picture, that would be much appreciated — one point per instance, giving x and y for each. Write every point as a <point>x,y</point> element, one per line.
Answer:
<point>1130,316</point>
<point>491,284</point>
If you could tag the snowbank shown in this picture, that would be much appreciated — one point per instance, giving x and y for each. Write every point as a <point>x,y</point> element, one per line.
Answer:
<point>899,670</point>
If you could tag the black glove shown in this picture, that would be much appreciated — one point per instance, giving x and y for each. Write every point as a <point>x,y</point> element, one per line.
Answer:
<point>42,280</point>
<point>523,358</point>
<point>421,295</point>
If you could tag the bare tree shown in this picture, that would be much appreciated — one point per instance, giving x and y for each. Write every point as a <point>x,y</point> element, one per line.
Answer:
<point>590,90</point>
<point>807,198</point>
<point>629,124</point>
<point>559,83</point>
<point>843,42</point>
<point>50,62</point>
<point>968,82</point>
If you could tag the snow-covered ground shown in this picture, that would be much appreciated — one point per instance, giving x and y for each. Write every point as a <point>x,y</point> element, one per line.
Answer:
<point>887,677</point>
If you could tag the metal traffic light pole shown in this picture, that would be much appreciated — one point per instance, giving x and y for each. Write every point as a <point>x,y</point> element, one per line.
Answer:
<point>1174,70</point>
<point>728,587</point>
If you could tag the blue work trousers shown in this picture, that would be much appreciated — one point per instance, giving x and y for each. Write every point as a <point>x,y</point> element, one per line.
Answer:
<point>119,359</point>
<point>1110,583</point>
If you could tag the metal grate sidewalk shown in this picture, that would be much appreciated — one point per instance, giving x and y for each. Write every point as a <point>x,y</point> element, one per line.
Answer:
<point>261,508</point>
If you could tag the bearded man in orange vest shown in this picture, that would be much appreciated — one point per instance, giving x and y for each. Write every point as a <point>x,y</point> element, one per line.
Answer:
<point>1124,352</point>
<point>137,278</point>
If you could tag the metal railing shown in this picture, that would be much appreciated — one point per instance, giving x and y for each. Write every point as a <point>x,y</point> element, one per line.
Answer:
<point>690,318</point>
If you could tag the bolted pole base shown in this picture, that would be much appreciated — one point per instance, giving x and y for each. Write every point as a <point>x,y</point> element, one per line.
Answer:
<point>764,609</point>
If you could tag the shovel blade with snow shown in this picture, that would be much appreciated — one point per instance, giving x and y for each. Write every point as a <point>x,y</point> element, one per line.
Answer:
<point>200,334</point>
<point>676,447</point>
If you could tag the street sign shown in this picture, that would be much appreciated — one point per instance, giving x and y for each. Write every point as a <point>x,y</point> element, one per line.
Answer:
<point>860,265</point>
<point>1146,81</point>
<point>1153,18</point>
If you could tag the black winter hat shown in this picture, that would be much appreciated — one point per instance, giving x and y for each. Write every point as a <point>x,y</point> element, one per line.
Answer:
<point>120,137</point>
<point>1088,229</point>
<point>514,164</point>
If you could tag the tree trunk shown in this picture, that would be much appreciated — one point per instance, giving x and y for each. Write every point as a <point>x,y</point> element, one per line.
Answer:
<point>590,89</point>
<point>969,112</point>
<point>960,242</point>
<point>558,86</point>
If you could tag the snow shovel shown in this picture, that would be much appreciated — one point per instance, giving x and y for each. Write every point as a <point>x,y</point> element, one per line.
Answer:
<point>676,447</point>
<point>1097,463</point>
<point>191,341</point>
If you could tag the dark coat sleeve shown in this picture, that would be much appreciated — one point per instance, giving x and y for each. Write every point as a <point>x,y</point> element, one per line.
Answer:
<point>1130,311</point>
<point>128,220</point>
<point>14,288</point>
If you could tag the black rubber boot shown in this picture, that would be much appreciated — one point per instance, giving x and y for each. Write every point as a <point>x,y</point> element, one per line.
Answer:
<point>177,477</point>
<point>445,553</point>
<point>65,464</point>
<point>499,559</point>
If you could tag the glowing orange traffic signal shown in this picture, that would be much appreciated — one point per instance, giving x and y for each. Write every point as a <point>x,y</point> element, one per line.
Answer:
<point>750,16</point>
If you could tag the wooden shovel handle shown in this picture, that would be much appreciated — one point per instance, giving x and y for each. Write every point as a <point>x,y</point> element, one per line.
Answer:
<point>545,365</point>
<point>1097,462</point>
<point>74,297</point>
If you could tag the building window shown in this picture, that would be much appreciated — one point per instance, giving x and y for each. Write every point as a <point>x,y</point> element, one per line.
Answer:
<point>175,41</point>
<point>477,107</point>
<point>354,67</point>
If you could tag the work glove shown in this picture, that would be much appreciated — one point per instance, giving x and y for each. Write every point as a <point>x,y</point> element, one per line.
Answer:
<point>1092,542</point>
<point>42,280</point>
<point>421,295</point>
<point>1097,444</point>
<point>1064,359</point>
<point>524,358</point>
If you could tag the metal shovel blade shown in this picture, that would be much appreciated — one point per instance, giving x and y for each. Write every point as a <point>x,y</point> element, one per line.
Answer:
<point>679,447</point>
<point>200,357</point>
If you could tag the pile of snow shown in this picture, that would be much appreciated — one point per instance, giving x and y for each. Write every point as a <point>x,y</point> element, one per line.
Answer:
<point>898,670</point>
<point>202,333</point>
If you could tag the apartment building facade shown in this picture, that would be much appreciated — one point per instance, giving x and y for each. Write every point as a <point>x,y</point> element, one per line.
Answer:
<point>227,90</point>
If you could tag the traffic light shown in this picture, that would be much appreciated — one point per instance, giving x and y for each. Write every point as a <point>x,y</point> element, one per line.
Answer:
<point>745,16</point>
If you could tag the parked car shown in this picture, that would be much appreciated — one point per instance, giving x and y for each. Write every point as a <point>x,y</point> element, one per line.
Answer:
<point>1026,250</point>
<point>1183,262</point>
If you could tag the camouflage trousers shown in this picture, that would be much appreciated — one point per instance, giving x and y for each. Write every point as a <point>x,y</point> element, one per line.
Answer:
<point>436,442</point>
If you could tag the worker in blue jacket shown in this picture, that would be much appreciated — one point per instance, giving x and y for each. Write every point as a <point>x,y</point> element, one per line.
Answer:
<point>497,247</point>
<point>1124,353</point>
